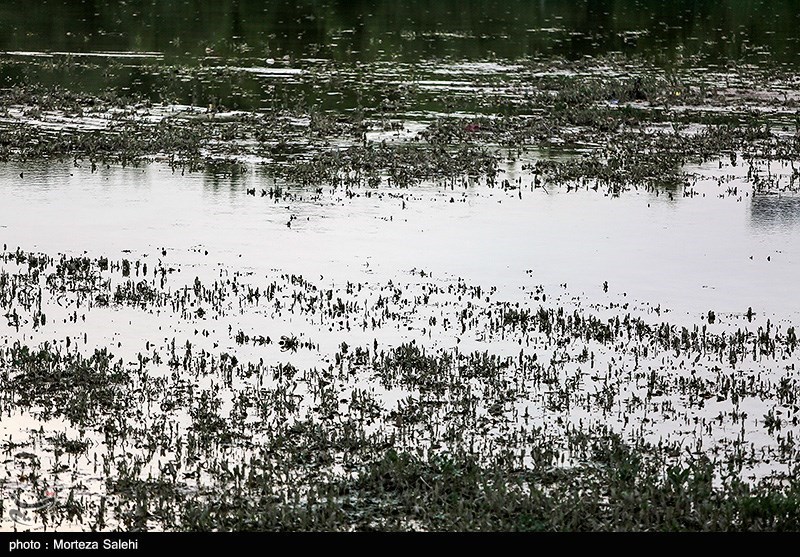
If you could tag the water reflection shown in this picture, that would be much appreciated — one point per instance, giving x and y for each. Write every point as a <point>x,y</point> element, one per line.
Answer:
<point>360,30</point>
<point>716,253</point>
<point>775,211</point>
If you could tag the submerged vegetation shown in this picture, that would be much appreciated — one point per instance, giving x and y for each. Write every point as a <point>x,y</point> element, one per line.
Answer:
<point>147,389</point>
<point>632,123</point>
<point>582,429</point>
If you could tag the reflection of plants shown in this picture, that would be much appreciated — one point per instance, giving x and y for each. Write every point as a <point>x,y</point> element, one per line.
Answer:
<point>135,293</point>
<point>289,343</point>
<point>70,446</point>
<point>66,383</point>
<point>208,425</point>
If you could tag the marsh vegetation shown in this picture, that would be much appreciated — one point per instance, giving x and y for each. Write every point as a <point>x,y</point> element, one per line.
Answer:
<point>312,272</point>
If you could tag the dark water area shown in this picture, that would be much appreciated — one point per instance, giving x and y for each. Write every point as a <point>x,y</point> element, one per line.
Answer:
<point>664,31</point>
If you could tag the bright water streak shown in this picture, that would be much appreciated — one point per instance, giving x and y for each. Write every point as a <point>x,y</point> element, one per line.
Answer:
<point>690,255</point>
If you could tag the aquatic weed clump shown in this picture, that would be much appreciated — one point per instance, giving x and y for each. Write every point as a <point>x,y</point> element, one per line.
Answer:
<point>398,165</point>
<point>447,492</point>
<point>55,383</point>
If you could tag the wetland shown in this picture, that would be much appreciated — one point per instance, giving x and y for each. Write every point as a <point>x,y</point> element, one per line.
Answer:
<point>439,266</point>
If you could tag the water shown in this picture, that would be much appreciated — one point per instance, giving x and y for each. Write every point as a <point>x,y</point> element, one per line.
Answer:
<point>686,254</point>
<point>459,265</point>
<point>414,30</point>
<point>90,44</point>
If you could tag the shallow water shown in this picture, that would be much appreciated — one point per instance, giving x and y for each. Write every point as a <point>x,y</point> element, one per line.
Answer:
<point>457,267</point>
<point>687,254</point>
